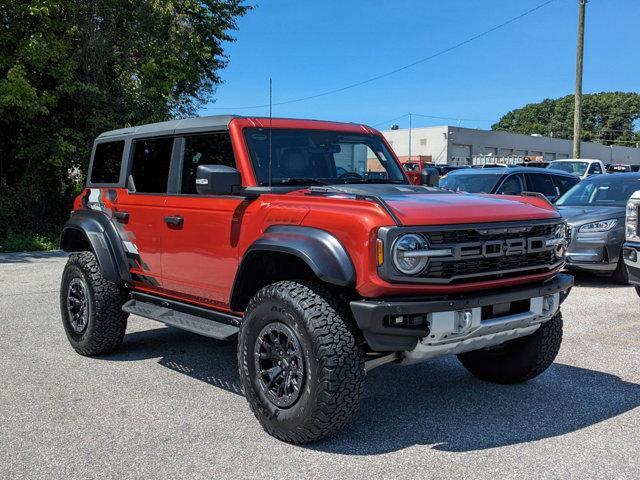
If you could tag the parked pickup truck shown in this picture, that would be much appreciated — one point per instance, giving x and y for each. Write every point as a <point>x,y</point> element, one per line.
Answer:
<point>270,230</point>
<point>631,248</point>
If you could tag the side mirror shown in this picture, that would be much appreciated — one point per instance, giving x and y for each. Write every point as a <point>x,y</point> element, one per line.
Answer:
<point>217,180</point>
<point>429,176</point>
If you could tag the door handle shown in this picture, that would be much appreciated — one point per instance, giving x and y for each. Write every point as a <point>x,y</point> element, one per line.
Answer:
<point>174,221</point>
<point>122,217</point>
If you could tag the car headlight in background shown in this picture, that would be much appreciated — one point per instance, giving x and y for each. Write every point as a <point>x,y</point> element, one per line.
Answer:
<point>411,253</point>
<point>598,227</point>
<point>632,228</point>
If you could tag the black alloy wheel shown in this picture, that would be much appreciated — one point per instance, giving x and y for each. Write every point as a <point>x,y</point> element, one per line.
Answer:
<point>279,362</point>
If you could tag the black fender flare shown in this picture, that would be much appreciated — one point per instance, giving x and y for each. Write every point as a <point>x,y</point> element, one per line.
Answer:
<point>322,252</point>
<point>104,240</point>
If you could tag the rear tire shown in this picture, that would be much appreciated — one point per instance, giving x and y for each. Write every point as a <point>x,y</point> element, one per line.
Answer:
<point>91,307</point>
<point>518,360</point>
<point>323,375</point>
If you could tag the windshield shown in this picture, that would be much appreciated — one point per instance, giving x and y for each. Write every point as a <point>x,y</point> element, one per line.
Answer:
<point>613,192</point>
<point>578,168</point>
<point>312,157</point>
<point>464,182</point>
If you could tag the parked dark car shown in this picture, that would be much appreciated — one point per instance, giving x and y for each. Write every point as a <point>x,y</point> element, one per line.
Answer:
<point>445,169</point>
<point>510,181</point>
<point>595,210</point>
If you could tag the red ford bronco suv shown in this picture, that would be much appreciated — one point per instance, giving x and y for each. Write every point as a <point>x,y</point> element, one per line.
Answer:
<point>275,230</point>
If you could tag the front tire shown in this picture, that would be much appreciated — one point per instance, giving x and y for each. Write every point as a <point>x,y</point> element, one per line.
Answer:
<point>300,364</point>
<point>518,360</point>
<point>91,307</point>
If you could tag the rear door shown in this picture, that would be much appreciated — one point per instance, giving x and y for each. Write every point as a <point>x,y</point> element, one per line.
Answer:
<point>200,246</point>
<point>141,206</point>
<point>542,183</point>
<point>564,183</point>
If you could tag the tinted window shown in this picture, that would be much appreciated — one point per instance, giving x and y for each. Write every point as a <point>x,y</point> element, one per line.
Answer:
<point>595,169</point>
<point>541,183</point>
<point>106,162</point>
<point>564,183</point>
<point>513,185</point>
<point>471,182</point>
<point>211,149</point>
<point>151,160</point>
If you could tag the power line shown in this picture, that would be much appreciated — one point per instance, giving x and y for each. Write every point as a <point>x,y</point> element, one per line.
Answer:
<point>397,70</point>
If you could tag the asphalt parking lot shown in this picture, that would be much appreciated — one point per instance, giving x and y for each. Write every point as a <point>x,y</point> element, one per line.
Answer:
<point>168,403</point>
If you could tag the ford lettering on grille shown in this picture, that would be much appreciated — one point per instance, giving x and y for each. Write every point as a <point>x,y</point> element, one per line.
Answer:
<point>499,248</point>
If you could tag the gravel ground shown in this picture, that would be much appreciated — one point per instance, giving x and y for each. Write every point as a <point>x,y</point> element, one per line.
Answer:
<point>168,404</point>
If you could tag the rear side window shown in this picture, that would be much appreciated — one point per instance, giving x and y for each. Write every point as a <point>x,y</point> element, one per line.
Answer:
<point>595,169</point>
<point>209,149</point>
<point>151,161</point>
<point>564,183</point>
<point>541,183</point>
<point>106,162</point>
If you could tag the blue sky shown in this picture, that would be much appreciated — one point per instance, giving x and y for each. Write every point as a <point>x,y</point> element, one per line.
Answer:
<point>309,47</point>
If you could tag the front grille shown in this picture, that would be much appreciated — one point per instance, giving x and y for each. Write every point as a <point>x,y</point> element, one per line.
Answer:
<point>497,267</point>
<point>474,235</point>
<point>480,252</point>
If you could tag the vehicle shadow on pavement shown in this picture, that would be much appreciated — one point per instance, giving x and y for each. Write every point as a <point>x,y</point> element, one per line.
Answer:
<point>436,403</point>
<point>205,359</point>
<point>441,404</point>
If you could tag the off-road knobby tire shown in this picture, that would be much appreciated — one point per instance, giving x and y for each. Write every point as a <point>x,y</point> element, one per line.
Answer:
<point>620,274</point>
<point>518,360</point>
<point>334,376</point>
<point>107,322</point>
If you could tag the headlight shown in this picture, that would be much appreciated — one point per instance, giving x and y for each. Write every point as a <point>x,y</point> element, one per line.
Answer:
<point>411,253</point>
<point>631,230</point>
<point>596,227</point>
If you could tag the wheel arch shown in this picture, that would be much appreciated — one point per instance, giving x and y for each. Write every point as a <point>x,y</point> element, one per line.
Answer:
<point>296,252</point>
<point>94,232</point>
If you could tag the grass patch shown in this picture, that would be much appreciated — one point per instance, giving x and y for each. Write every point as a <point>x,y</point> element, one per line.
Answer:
<point>27,242</point>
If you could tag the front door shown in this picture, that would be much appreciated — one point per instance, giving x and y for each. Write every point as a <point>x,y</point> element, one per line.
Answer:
<point>199,239</point>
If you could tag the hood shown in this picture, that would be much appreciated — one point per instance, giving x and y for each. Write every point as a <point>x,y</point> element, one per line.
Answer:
<point>415,205</point>
<point>581,215</point>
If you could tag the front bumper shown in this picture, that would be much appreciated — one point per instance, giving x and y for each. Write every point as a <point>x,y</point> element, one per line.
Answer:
<point>450,320</point>
<point>597,252</point>
<point>631,255</point>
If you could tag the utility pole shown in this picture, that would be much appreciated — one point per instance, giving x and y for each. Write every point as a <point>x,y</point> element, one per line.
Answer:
<point>577,115</point>
<point>409,137</point>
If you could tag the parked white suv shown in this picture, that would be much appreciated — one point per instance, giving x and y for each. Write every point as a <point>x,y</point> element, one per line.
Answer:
<point>583,167</point>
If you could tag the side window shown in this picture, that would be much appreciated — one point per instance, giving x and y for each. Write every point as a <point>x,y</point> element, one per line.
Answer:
<point>151,161</point>
<point>106,162</point>
<point>209,149</point>
<point>513,185</point>
<point>595,169</point>
<point>541,183</point>
<point>564,183</point>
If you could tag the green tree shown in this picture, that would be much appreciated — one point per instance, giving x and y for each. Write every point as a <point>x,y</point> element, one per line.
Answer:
<point>70,69</point>
<point>611,118</point>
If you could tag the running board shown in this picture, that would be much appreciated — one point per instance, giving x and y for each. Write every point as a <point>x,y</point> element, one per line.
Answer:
<point>182,320</point>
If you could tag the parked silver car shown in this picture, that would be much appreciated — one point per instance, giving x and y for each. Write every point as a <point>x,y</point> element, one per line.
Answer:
<point>595,213</point>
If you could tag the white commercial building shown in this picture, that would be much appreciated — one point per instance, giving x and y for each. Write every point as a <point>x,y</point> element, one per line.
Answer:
<point>457,145</point>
